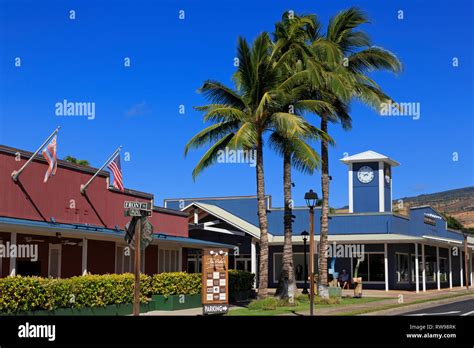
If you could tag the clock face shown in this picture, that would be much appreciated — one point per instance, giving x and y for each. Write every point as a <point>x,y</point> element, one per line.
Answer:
<point>365,174</point>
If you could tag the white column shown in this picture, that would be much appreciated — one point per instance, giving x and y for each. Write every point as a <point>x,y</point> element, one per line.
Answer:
<point>450,270</point>
<point>84,256</point>
<point>351,189</point>
<point>417,271</point>
<point>196,215</point>
<point>438,273</point>
<point>423,268</point>
<point>253,259</point>
<point>461,268</point>
<point>385,260</point>
<point>381,188</point>
<point>471,275</point>
<point>12,258</point>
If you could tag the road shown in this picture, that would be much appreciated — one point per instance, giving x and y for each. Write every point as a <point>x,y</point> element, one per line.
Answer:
<point>461,308</point>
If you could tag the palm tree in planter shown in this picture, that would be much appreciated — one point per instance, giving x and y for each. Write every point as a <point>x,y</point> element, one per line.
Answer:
<point>356,58</point>
<point>241,117</point>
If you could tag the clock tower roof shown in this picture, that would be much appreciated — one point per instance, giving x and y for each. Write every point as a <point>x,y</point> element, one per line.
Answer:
<point>369,156</point>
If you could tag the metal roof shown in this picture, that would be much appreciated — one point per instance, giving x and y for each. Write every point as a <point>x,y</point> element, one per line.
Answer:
<point>369,156</point>
<point>230,218</point>
<point>102,231</point>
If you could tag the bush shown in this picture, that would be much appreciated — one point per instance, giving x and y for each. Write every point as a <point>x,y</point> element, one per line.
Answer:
<point>18,294</point>
<point>266,304</point>
<point>240,281</point>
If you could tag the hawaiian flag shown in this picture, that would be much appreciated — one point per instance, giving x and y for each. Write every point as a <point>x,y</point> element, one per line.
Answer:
<point>49,153</point>
<point>116,169</point>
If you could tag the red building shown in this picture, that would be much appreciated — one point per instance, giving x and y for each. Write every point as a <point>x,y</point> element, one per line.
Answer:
<point>76,233</point>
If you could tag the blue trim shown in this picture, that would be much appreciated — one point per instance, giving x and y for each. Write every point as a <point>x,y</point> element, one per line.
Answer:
<point>97,230</point>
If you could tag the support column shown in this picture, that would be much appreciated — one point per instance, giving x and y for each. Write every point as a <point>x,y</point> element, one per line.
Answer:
<point>253,259</point>
<point>385,260</point>
<point>423,266</point>
<point>461,268</point>
<point>450,270</point>
<point>417,271</point>
<point>84,256</point>
<point>438,273</point>
<point>12,258</point>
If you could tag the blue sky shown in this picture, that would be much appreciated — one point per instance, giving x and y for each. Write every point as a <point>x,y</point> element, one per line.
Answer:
<point>82,60</point>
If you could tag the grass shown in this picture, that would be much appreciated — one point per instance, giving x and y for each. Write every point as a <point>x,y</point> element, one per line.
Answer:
<point>272,306</point>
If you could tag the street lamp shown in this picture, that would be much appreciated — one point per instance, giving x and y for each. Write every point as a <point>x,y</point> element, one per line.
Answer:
<point>311,197</point>
<point>305,235</point>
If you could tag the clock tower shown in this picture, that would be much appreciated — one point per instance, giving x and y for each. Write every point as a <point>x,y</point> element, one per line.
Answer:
<point>370,182</point>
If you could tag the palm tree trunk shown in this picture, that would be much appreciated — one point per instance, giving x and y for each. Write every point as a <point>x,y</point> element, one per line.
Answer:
<point>263,222</point>
<point>323,240</point>
<point>287,282</point>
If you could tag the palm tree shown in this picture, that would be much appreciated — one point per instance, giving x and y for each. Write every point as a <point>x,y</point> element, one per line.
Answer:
<point>354,49</point>
<point>242,117</point>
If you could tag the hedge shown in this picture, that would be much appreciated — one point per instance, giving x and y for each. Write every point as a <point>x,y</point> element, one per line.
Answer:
<point>18,294</point>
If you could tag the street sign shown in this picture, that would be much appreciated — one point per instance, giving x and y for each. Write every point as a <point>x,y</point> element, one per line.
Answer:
<point>136,212</point>
<point>215,309</point>
<point>146,232</point>
<point>137,205</point>
<point>215,281</point>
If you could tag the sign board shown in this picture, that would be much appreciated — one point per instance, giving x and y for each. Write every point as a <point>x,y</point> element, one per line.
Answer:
<point>136,212</point>
<point>137,205</point>
<point>215,281</point>
<point>215,309</point>
<point>146,232</point>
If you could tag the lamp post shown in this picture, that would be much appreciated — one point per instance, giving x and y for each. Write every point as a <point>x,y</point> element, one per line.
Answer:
<point>305,235</point>
<point>311,197</point>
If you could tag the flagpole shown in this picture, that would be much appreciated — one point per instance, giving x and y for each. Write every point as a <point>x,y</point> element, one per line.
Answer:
<point>16,173</point>
<point>111,158</point>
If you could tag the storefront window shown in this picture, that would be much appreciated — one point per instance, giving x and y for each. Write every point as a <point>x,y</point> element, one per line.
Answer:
<point>371,269</point>
<point>298,264</point>
<point>403,275</point>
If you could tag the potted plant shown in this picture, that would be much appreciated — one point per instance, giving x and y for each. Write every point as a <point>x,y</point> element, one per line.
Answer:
<point>357,280</point>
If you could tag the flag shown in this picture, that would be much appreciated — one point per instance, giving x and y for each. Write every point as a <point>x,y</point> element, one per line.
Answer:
<point>116,169</point>
<point>49,153</point>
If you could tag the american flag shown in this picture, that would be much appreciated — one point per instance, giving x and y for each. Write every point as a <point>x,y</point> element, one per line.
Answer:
<point>49,153</point>
<point>116,169</point>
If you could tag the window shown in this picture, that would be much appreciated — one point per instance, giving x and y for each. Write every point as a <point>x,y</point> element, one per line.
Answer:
<point>54,267</point>
<point>443,269</point>
<point>243,263</point>
<point>125,258</point>
<point>298,264</point>
<point>420,269</point>
<point>402,270</point>
<point>430,268</point>
<point>168,260</point>
<point>372,268</point>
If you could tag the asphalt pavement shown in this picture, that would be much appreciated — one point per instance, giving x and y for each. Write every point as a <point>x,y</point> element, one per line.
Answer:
<point>460,308</point>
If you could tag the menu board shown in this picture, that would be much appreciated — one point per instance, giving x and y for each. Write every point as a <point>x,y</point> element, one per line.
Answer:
<point>215,280</point>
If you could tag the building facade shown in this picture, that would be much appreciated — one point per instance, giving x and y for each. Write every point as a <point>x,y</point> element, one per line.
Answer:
<point>76,233</point>
<point>394,251</point>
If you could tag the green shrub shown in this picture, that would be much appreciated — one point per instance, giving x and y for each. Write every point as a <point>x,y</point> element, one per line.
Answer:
<point>266,304</point>
<point>240,281</point>
<point>177,283</point>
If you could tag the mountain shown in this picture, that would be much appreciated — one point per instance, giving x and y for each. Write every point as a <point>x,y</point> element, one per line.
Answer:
<point>458,203</point>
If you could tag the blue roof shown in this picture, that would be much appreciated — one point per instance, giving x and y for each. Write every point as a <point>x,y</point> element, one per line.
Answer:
<point>353,223</point>
<point>97,230</point>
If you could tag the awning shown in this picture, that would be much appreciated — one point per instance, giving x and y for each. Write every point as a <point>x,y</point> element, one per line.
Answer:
<point>25,226</point>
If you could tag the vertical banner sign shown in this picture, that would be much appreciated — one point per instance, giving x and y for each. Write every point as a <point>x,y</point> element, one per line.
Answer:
<point>215,281</point>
